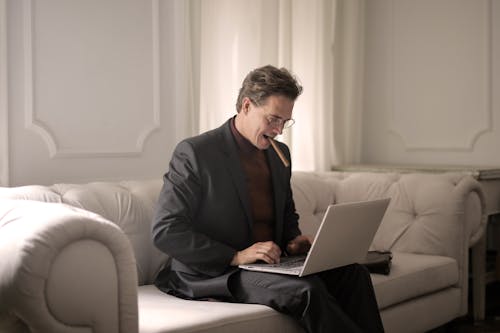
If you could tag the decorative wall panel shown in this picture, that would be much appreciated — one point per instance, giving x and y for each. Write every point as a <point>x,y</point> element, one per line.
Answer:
<point>92,75</point>
<point>441,73</point>
<point>431,83</point>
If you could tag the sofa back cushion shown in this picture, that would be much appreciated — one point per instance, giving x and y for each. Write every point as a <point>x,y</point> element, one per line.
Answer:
<point>128,204</point>
<point>426,214</point>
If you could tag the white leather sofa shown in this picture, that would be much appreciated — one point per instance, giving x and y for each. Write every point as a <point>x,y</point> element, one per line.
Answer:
<point>79,257</point>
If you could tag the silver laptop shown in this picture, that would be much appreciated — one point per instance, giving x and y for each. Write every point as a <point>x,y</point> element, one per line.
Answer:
<point>343,238</point>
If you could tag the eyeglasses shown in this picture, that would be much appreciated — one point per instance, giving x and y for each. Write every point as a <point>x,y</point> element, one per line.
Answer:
<point>278,122</point>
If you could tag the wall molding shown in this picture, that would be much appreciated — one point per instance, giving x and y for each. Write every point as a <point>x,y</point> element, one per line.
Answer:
<point>50,139</point>
<point>487,111</point>
<point>4,116</point>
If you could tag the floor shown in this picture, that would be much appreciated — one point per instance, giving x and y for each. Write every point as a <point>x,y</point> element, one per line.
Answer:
<point>467,325</point>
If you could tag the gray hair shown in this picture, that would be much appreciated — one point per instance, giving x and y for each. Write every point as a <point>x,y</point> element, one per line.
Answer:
<point>265,81</point>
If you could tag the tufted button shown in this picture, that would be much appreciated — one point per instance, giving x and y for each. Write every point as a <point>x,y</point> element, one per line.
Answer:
<point>412,213</point>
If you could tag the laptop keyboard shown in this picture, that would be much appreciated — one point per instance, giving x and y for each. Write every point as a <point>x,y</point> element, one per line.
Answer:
<point>288,265</point>
<point>290,262</point>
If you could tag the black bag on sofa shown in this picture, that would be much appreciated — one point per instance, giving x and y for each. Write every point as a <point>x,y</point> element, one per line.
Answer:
<point>378,262</point>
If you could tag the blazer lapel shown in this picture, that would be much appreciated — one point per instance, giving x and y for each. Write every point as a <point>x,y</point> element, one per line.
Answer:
<point>233,164</point>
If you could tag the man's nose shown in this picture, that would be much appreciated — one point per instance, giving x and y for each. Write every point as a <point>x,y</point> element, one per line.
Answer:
<point>278,129</point>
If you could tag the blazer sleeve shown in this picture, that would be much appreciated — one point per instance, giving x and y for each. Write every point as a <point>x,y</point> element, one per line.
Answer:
<point>173,224</point>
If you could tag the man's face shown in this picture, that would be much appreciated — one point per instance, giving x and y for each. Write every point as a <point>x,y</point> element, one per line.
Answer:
<point>260,122</point>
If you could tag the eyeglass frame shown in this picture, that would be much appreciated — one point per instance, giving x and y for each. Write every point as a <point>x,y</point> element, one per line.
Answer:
<point>275,121</point>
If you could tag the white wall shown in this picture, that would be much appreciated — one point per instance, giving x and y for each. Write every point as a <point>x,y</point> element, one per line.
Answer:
<point>91,90</point>
<point>432,82</point>
<point>98,89</point>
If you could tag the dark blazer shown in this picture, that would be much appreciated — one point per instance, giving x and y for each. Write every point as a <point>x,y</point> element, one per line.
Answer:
<point>203,214</point>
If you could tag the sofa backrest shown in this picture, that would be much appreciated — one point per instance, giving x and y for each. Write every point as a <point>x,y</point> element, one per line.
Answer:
<point>426,213</point>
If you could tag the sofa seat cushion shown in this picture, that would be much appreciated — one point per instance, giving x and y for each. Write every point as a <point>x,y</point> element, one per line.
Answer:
<point>160,312</point>
<point>413,275</point>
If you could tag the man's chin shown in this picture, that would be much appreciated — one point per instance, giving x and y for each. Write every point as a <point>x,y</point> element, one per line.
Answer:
<point>264,146</point>
<point>265,143</point>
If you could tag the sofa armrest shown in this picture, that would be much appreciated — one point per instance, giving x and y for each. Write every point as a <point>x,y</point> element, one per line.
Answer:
<point>64,269</point>
<point>475,214</point>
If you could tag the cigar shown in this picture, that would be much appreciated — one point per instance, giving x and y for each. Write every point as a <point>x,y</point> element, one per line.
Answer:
<point>279,152</point>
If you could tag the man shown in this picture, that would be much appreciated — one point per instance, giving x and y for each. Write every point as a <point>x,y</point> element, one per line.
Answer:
<point>227,200</point>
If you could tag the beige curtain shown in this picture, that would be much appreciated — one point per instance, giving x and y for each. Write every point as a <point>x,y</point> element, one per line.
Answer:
<point>318,40</point>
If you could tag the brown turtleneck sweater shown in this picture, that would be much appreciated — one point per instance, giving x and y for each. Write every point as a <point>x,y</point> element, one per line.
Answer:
<point>259,184</point>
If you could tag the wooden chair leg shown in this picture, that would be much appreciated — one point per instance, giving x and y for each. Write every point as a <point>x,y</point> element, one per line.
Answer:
<point>479,279</point>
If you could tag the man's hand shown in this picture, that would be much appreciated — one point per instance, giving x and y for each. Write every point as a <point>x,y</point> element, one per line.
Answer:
<point>265,251</point>
<point>299,245</point>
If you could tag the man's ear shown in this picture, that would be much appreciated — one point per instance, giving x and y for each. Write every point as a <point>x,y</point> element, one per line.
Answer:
<point>245,104</point>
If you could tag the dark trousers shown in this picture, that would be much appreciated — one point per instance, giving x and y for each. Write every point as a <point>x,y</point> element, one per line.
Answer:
<point>338,300</point>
